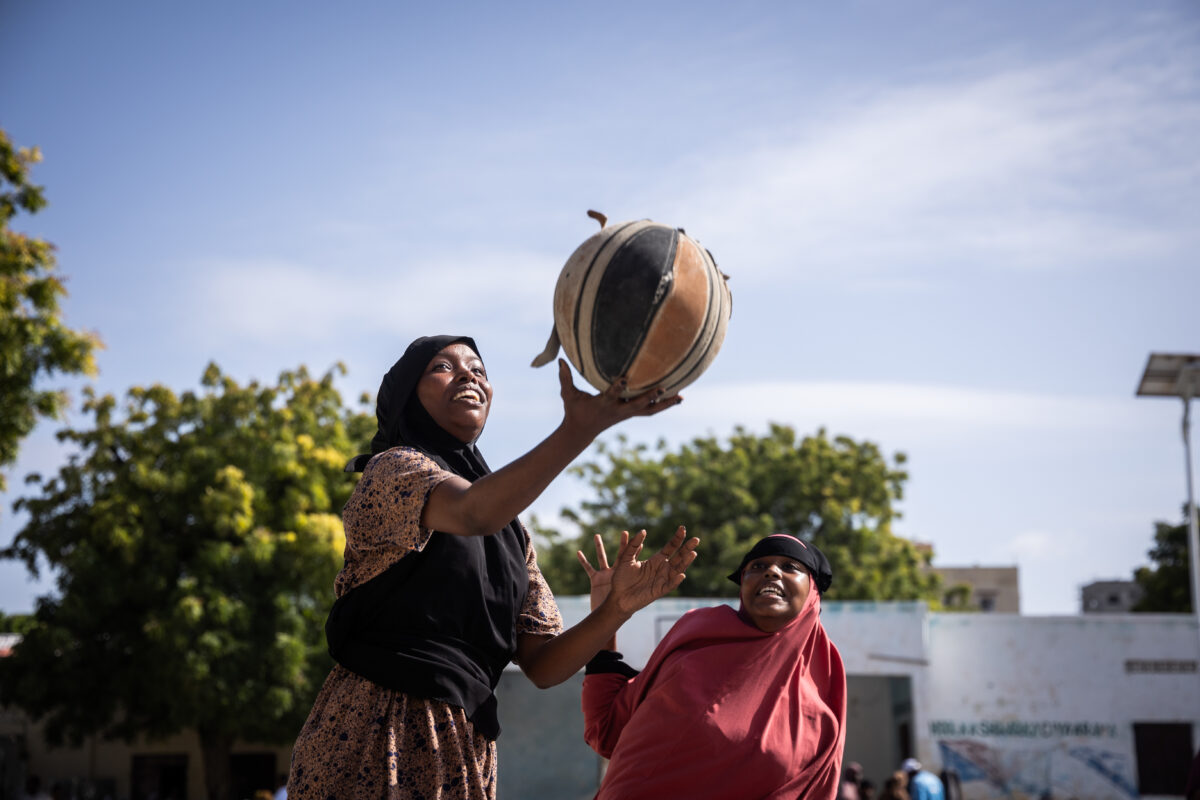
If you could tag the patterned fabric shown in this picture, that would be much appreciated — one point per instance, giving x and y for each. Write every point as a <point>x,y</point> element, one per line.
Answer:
<point>364,742</point>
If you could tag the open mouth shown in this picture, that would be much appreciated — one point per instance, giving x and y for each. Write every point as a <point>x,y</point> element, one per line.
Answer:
<point>470,394</point>
<point>771,590</point>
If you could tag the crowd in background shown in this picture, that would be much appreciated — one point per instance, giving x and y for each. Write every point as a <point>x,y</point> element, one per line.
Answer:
<point>910,781</point>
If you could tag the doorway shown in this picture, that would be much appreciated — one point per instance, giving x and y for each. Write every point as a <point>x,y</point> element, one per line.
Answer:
<point>878,724</point>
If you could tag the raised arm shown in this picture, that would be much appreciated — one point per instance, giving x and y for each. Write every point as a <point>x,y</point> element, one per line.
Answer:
<point>632,585</point>
<point>487,505</point>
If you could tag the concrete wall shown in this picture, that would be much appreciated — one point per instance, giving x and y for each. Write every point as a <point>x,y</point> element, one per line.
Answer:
<point>1023,705</point>
<point>541,749</point>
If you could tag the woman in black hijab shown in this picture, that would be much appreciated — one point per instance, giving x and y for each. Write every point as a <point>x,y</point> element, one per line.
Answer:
<point>441,587</point>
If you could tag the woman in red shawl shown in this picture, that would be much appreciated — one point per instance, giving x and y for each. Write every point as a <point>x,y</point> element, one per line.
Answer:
<point>732,704</point>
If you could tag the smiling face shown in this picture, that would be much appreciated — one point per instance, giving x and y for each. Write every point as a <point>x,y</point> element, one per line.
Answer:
<point>774,589</point>
<point>454,389</point>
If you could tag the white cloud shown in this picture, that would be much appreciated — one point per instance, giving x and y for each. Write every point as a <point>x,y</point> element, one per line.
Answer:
<point>1000,164</point>
<point>277,301</point>
<point>947,410</point>
<point>1037,546</point>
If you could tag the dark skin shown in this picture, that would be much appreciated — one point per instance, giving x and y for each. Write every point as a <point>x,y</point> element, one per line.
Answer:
<point>455,391</point>
<point>607,580</point>
<point>773,591</point>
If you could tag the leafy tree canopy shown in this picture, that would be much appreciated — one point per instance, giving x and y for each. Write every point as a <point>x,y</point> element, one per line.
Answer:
<point>195,539</point>
<point>1166,584</point>
<point>34,342</point>
<point>835,492</point>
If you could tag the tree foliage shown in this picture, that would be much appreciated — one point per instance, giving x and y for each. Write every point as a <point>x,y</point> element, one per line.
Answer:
<point>34,342</point>
<point>195,539</point>
<point>836,492</point>
<point>1166,584</point>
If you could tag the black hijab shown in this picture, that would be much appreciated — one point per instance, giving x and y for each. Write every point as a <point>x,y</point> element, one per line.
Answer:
<point>404,421</point>
<point>783,544</point>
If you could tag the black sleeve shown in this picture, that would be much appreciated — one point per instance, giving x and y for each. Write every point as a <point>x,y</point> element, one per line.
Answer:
<point>609,661</point>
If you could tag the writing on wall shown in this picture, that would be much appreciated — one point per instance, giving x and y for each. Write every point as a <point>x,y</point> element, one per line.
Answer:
<point>1024,729</point>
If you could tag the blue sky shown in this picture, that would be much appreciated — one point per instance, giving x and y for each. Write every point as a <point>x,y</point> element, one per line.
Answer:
<point>957,230</point>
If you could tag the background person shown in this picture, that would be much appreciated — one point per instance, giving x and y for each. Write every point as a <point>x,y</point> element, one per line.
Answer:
<point>895,787</point>
<point>851,787</point>
<point>922,784</point>
<point>748,703</point>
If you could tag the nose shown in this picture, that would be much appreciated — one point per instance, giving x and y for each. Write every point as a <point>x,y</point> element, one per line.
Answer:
<point>773,569</point>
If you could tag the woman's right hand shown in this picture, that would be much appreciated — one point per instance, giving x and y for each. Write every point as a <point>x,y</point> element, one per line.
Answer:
<point>592,414</point>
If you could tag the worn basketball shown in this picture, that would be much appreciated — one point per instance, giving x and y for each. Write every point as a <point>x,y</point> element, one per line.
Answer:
<point>641,300</point>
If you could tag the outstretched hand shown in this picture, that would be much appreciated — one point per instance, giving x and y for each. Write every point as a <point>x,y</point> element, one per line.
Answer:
<point>633,584</point>
<point>595,413</point>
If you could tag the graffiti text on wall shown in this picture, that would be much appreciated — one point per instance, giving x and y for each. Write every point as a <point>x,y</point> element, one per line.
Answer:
<point>1038,729</point>
<point>1159,667</point>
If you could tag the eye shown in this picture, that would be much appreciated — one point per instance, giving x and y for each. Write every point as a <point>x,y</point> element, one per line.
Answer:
<point>480,371</point>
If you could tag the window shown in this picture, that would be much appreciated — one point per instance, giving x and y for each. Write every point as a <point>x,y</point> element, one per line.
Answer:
<point>1164,754</point>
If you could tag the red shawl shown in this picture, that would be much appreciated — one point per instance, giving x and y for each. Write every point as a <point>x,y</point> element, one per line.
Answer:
<point>724,710</point>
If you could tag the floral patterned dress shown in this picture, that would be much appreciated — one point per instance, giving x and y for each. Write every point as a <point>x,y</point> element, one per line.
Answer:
<point>362,741</point>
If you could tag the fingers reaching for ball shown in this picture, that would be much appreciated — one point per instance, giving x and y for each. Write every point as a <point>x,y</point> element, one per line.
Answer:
<point>653,402</point>
<point>594,413</point>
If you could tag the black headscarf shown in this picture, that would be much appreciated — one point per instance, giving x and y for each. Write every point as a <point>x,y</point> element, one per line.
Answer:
<point>783,544</point>
<point>404,421</point>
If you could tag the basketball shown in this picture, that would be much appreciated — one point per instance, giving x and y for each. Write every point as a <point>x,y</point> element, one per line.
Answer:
<point>641,300</point>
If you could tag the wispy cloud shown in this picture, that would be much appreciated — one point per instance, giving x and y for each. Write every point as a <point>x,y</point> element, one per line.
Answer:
<point>949,410</point>
<point>1051,165</point>
<point>279,301</point>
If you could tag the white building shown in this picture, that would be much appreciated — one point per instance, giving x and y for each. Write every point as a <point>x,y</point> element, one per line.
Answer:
<point>1111,597</point>
<point>1092,707</point>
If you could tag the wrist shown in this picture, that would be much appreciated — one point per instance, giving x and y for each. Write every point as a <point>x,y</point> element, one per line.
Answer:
<point>579,433</point>
<point>612,608</point>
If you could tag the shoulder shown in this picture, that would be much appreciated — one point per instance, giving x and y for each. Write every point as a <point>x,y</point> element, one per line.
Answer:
<point>708,616</point>
<point>402,465</point>
<point>719,620</point>
<point>400,475</point>
<point>400,459</point>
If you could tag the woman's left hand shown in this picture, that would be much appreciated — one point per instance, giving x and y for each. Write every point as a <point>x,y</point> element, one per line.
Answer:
<point>633,584</point>
<point>600,576</point>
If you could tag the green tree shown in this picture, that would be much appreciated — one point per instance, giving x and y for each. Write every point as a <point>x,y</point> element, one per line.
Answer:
<point>1166,584</point>
<point>836,492</point>
<point>15,623</point>
<point>34,343</point>
<point>195,539</point>
<point>957,598</point>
